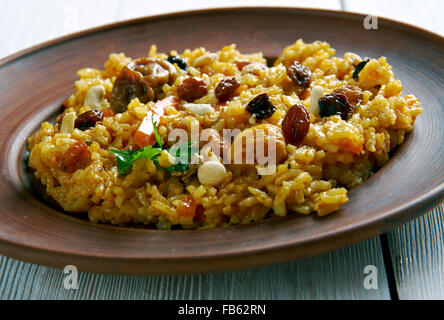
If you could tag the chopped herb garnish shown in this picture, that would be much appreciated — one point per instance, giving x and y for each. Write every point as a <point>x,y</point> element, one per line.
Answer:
<point>182,159</point>
<point>126,158</point>
<point>156,132</point>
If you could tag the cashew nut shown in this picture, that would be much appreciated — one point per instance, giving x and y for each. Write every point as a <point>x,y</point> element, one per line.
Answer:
<point>68,122</point>
<point>199,109</point>
<point>316,94</point>
<point>254,68</point>
<point>211,173</point>
<point>204,60</point>
<point>95,96</point>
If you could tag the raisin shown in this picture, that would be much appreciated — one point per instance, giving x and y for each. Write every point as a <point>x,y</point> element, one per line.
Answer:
<point>88,119</point>
<point>296,124</point>
<point>142,79</point>
<point>200,214</point>
<point>359,68</point>
<point>59,120</point>
<point>260,136</point>
<point>261,106</point>
<point>75,158</point>
<point>353,94</point>
<point>335,104</point>
<point>181,63</point>
<point>299,74</point>
<point>226,88</point>
<point>191,89</point>
<point>240,64</point>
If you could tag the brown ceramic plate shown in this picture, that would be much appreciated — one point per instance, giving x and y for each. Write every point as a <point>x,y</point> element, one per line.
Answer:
<point>35,81</point>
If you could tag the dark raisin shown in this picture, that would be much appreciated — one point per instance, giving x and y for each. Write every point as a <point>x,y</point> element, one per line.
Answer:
<point>200,214</point>
<point>181,63</point>
<point>261,107</point>
<point>353,94</point>
<point>142,79</point>
<point>296,124</point>
<point>75,158</point>
<point>191,89</point>
<point>359,68</point>
<point>335,104</point>
<point>226,88</point>
<point>88,119</point>
<point>299,74</point>
<point>59,120</point>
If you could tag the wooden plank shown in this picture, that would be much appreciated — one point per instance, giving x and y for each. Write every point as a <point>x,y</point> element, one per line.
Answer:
<point>416,248</point>
<point>417,253</point>
<point>336,275</point>
<point>25,23</point>
<point>136,8</point>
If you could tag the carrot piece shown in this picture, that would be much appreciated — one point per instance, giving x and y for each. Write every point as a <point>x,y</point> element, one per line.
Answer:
<point>187,207</point>
<point>107,112</point>
<point>144,135</point>
<point>159,106</point>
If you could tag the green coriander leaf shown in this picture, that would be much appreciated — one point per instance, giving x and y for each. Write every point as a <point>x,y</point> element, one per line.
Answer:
<point>147,152</point>
<point>183,159</point>
<point>156,132</point>
<point>126,158</point>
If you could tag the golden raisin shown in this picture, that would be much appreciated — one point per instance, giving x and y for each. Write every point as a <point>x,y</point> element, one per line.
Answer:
<point>296,124</point>
<point>299,74</point>
<point>244,149</point>
<point>191,89</point>
<point>353,94</point>
<point>142,79</point>
<point>75,158</point>
<point>226,88</point>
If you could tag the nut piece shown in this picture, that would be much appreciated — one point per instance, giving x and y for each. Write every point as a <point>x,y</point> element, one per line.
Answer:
<point>199,109</point>
<point>204,60</point>
<point>68,122</point>
<point>254,68</point>
<point>95,96</point>
<point>316,94</point>
<point>211,173</point>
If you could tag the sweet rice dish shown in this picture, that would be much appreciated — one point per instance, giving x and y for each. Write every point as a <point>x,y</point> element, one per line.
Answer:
<point>209,139</point>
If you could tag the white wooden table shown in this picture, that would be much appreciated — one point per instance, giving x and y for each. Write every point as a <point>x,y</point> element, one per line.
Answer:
<point>409,260</point>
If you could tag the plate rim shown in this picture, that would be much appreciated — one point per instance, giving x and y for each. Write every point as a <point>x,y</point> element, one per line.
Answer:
<point>58,40</point>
